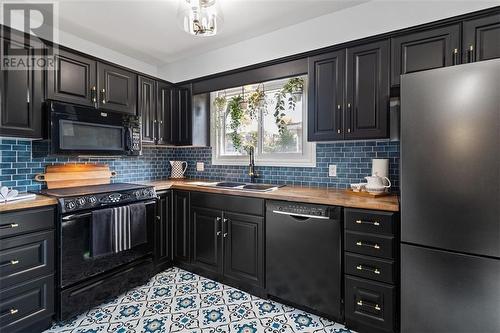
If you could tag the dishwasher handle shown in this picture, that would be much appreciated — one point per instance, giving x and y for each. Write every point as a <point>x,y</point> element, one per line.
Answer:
<point>302,215</point>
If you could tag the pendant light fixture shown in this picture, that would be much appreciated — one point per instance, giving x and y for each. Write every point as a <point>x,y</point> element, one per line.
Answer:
<point>200,17</point>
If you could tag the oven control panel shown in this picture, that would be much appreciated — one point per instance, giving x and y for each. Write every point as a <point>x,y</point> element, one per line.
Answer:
<point>72,204</point>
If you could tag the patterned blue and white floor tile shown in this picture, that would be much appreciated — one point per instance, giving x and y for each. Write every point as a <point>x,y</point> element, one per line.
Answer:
<point>179,301</point>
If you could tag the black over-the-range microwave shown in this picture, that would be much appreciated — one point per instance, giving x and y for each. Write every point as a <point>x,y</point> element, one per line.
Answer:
<point>80,130</point>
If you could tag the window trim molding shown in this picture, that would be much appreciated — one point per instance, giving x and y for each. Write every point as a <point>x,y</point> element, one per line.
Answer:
<point>308,152</point>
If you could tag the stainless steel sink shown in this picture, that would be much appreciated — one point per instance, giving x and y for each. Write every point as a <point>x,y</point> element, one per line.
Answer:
<point>243,186</point>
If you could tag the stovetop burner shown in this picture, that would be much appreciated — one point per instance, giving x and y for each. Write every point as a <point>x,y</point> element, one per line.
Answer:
<point>90,189</point>
<point>72,199</point>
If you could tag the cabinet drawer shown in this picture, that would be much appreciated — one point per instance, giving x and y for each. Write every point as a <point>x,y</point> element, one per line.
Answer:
<point>369,303</point>
<point>368,267</point>
<point>24,221</point>
<point>26,257</point>
<point>81,297</point>
<point>372,245</point>
<point>370,221</point>
<point>228,203</point>
<point>25,304</point>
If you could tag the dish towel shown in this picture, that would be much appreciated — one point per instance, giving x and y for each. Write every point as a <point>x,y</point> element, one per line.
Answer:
<point>121,224</point>
<point>102,233</point>
<point>138,225</point>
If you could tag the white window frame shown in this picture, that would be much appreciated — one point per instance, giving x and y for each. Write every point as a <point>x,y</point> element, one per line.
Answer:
<point>306,159</point>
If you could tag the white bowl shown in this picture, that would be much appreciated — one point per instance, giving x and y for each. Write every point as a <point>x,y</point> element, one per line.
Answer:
<point>358,187</point>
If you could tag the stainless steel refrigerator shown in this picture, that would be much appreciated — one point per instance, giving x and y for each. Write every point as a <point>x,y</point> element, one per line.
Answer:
<point>450,199</point>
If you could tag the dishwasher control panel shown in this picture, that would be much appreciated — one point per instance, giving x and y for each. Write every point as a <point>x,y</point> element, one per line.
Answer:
<point>302,209</point>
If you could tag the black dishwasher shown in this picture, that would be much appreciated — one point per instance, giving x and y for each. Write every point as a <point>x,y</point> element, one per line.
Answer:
<point>304,256</point>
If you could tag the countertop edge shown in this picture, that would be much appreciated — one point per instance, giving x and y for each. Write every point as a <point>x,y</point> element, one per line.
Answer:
<point>389,203</point>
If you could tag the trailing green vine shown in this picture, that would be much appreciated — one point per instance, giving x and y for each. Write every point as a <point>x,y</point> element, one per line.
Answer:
<point>236,113</point>
<point>293,88</point>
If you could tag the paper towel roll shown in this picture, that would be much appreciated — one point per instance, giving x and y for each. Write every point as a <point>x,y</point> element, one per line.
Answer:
<point>380,167</point>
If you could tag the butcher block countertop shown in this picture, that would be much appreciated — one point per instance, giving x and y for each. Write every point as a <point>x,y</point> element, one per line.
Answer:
<point>39,201</point>
<point>315,195</point>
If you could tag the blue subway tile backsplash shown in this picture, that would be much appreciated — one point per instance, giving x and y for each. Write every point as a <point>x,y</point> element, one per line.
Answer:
<point>353,159</point>
<point>18,166</point>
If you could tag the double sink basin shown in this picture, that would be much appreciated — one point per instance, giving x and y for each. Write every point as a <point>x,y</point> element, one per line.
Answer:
<point>243,186</point>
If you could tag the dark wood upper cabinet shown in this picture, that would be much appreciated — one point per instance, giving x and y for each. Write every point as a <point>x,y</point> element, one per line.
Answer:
<point>21,93</point>
<point>326,96</point>
<point>367,91</point>
<point>164,113</point>
<point>73,79</point>
<point>481,38</point>
<point>181,226</point>
<point>117,89</point>
<point>147,107</point>
<point>163,228</point>
<point>244,245</point>
<point>181,117</point>
<point>206,235</point>
<point>425,50</point>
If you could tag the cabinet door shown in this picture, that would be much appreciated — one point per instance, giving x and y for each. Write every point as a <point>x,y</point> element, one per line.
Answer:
<point>206,231</point>
<point>482,38</point>
<point>117,89</point>
<point>181,125</point>
<point>425,50</point>
<point>367,93</point>
<point>181,226</point>
<point>73,79</point>
<point>164,113</point>
<point>163,234</point>
<point>147,108</point>
<point>326,89</point>
<point>21,93</point>
<point>244,249</point>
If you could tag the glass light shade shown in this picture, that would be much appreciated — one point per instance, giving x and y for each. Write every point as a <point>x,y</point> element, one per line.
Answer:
<point>199,17</point>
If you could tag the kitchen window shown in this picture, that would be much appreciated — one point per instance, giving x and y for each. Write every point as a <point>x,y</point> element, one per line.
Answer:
<point>270,117</point>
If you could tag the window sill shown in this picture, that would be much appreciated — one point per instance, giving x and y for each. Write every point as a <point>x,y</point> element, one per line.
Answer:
<point>266,163</point>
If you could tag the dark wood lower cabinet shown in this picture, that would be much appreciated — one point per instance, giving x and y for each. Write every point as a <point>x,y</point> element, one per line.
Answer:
<point>227,239</point>
<point>206,239</point>
<point>26,270</point>
<point>163,230</point>
<point>244,250</point>
<point>181,227</point>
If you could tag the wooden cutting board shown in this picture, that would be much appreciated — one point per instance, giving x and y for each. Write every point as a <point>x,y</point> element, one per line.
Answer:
<point>70,175</point>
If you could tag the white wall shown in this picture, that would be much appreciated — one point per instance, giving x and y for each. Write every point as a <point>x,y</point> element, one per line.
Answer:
<point>364,20</point>
<point>99,51</point>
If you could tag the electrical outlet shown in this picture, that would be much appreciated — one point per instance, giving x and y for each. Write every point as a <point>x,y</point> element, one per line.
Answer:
<point>200,166</point>
<point>332,170</point>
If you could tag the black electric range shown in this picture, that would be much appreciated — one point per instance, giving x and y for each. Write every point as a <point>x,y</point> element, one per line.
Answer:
<point>84,280</point>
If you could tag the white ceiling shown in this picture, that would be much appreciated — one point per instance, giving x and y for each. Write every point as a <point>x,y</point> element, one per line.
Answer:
<point>148,30</point>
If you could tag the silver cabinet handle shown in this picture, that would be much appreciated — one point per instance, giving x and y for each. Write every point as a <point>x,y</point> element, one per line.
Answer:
<point>368,222</point>
<point>369,269</point>
<point>103,96</point>
<point>375,306</point>
<point>375,246</point>
<point>9,226</point>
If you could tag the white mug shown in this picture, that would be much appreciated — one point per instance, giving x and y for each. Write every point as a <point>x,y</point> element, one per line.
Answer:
<point>178,169</point>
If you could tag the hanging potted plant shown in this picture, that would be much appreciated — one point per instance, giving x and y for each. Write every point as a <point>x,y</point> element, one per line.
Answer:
<point>220,104</point>
<point>256,101</point>
<point>236,112</point>
<point>294,89</point>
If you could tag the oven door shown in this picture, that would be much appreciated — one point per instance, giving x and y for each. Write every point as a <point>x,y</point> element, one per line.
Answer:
<point>76,263</point>
<point>78,130</point>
